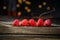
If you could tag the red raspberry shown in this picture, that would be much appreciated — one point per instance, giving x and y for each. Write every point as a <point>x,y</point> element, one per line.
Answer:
<point>24,22</point>
<point>15,22</point>
<point>40,22</point>
<point>32,22</point>
<point>47,22</point>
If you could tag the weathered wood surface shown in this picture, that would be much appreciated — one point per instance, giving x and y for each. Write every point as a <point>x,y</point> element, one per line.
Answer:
<point>19,38</point>
<point>29,30</point>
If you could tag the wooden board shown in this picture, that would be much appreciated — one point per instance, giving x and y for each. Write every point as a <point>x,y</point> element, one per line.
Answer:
<point>29,30</point>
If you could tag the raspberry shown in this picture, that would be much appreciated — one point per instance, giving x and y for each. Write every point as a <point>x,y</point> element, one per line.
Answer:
<point>32,22</point>
<point>24,22</point>
<point>40,22</point>
<point>47,22</point>
<point>15,22</point>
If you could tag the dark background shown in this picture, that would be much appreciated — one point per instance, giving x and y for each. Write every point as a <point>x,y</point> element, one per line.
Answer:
<point>34,7</point>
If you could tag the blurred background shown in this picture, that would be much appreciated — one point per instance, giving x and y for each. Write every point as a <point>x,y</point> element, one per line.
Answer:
<point>29,7</point>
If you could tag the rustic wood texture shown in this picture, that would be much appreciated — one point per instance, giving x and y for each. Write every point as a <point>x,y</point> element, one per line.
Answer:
<point>30,30</point>
<point>19,38</point>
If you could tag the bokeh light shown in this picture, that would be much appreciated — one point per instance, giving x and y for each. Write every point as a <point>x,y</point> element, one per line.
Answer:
<point>24,0</point>
<point>48,8</point>
<point>44,3</point>
<point>4,7</point>
<point>20,1</point>
<point>19,14</point>
<point>27,2</point>
<point>18,5</point>
<point>26,7</point>
<point>40,6</point>
<point>28,10</point>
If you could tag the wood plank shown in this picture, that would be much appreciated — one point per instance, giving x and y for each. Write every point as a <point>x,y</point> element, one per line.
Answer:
<point>30,30</point>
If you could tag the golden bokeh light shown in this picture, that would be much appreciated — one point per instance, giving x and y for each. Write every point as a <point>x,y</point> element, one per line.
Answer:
<point>48,8</point>
<point>24,0</point>
<point>28,10</point>
<point>27,2</point>
<point>18,5</point>
<point>4,7</point>
<point>44,3</point>
<point>20,1</point>
<point>40,6</point>
<point>19,13</point>
<point>26,7</point>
